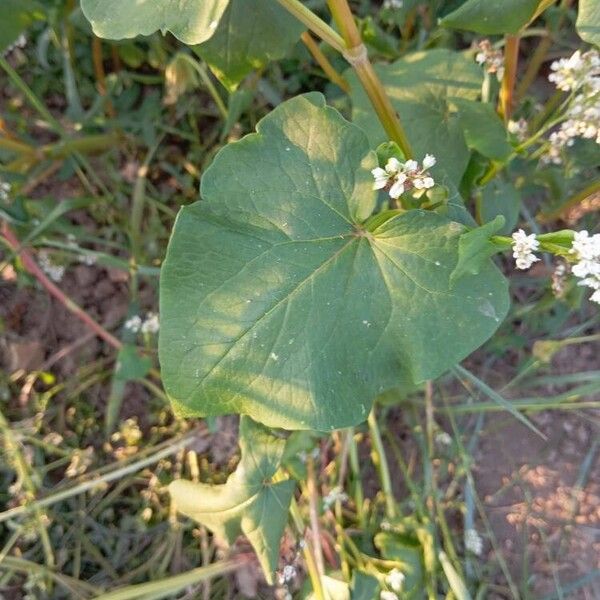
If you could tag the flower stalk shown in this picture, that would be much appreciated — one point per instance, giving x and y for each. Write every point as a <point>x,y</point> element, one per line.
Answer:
<point>351,46</point>
<point>323,62</point>
<point>511,58</point>
<point>314,23</point>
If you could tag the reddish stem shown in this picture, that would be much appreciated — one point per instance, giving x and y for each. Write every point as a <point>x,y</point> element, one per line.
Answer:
<point>32,267</point>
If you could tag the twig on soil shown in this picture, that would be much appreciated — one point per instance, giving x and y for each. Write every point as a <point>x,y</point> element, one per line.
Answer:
<point>32,267</point>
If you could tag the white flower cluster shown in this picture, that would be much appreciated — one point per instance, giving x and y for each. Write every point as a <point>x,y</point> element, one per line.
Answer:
<point>335,495</point>
<point>400,177</point>
<point>580,75</point>
<point>524,247</point>
<point>391,4</point>
<point>55,272</point>
<point>5,188</point>
<point>442,438</point>
<point>518,129</point>
<point>575,72</point>
<point>473,542</point>
<point>150,324</point>
<point>288,574</point>
<point>586,249</point>
<point>492,60</point>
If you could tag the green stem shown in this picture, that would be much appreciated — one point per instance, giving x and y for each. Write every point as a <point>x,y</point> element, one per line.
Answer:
<point>344,19</point>
<point>21,467</point>
<point>324,62</point>
<point>311,488</point>
<point>87,145</point>
<point>380,460</point>
<point>309,558</point>
<point>589,190</point>
<point>359,496</point>
<point>16,146</point>
<point>207,81</point>
<point>314,23</point>
<point>33,99</point>
<point>356,54</point>
<point>172,585</point>
<point>100,480</point>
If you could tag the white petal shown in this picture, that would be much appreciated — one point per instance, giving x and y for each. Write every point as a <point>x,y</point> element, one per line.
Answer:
<point>411,165</point>
<point>393,165</point>
<point>429,161</point>
<point>397,190</point>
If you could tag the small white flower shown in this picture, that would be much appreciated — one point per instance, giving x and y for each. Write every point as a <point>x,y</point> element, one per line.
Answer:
<point>335,495</point>
<point>391,4</point>
<point>473,542</point>
<point>134,323</point>
<point>5,188</point>
<point>523,247</point>
<point>443,439</point>
<point>579,74</point>
<point>411,166</point>
<point>401,177</point>
<point>151,324</point>
<point>492,60</point>
<point>518,129</point>
<point>429,161</point>
<point>54,272</point>
<point>288,574</point>
<point>397,188</point>
<point>395,579</point>
<point>387,595</point>
<point>393,166</point>
<point>381,178</point>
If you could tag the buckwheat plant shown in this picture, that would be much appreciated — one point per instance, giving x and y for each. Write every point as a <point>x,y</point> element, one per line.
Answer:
<point>333,257</point>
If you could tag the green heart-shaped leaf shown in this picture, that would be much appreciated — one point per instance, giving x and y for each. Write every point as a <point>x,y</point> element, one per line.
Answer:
<point>277,300</point>
<point>490,17</point>
<point>483,129</point>
<point>588,21</point>
<point>248,39</point>
<point>249,503</point>
<point>422,88</point>
<point>192,21</point>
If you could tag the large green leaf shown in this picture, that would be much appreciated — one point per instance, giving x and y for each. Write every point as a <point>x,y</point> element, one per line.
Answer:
<point>15,17</point>
<point>500,197</point>
<point>588,21</point>
<point>249,503</point>
<point>491,16</point>
<point>422,87</point>
<point>192,21</point>
<point>483,128</point>
<point>277,300</point>
<point>248,38</point>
